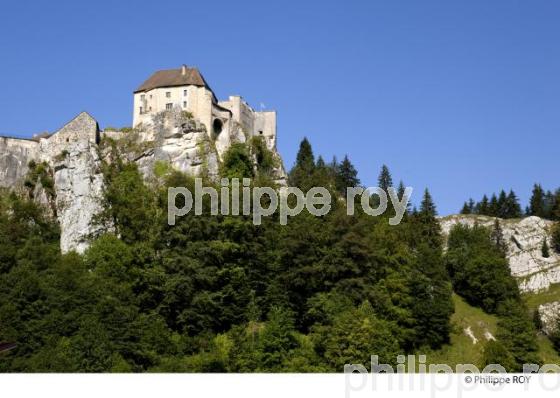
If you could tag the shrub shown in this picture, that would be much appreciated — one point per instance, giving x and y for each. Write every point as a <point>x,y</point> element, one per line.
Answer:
<point>544,249</point>
<point>161,168</point>
<point>237,162</point>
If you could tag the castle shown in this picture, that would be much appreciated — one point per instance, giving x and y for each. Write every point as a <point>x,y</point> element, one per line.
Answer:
<point>177,119</point>
<point>186,89</point>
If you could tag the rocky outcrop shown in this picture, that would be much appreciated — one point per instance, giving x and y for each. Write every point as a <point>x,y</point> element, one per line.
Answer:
<point>175,138</point>
<point>15,155</point>
<point>524,238</point>
<point>78,181</point>
<point>74,154</point>
<point>68,161</point>
<point>549,314</point>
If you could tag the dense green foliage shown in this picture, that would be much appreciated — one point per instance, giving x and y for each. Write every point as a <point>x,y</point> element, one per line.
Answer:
<point>220,294</point>
<point>478,268</point>
<point>502,206</point>
<point>544,204</point>
<point>480,273</point>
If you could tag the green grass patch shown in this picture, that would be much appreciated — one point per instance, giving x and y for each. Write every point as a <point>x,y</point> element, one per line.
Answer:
<point>462,350</point>
<point>533,300</point>
<point>546,351</point>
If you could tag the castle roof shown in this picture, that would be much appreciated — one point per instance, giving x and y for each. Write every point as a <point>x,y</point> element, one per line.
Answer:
<point>183,76</point>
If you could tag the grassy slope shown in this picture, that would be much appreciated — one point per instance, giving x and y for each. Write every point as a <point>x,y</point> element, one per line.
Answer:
<point>533,300</point>
<point>461,350</point>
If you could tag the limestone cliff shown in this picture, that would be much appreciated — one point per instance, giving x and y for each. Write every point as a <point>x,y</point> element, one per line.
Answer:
<point>549,313</point>
<point>72,159</point>
<point>15,155</point>
<point>524,238</point>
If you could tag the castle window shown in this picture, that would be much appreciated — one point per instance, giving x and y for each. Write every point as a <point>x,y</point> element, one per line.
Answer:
<point>168,106</point>
<point>168,94</point>
<point>141,110</point>
<point>260,132</point>
<point>143,97</point>
<point>185,93</point>
<point>184,104</point>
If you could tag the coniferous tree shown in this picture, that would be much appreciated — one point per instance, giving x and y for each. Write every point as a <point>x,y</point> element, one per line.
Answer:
<point>305,158</point>
<point>536,203</point>
<point>433,305</point>
<point>384,180</point>
<point>347,176</point>
<point>555,212</point>
<point>548,205</point>
<point>323,175</point>
<point>400,191</point>
<point>493,208</point>
<point>302,171</point>
<point>466,209</point>
<point>513,206</point>
<point>517,333</point>
<point>427,206</point>
<point>502,205</point>
<point>483,207</point>
<point>429,227</point>
<point>498,237</point>
<point>471,205</point>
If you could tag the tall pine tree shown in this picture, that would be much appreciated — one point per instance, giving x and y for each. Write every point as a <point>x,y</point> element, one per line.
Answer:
<point>385,180</point>
<point>536,203</point>
<point>301,173</point>
<point>346,176</point>
<point>483,207</point>
<point>512,205</point>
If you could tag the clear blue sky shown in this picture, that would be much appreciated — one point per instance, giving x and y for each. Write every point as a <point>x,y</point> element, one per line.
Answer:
<point>459,96</point>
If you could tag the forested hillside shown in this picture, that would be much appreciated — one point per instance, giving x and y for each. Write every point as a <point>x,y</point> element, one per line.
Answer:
<point>219,294</point>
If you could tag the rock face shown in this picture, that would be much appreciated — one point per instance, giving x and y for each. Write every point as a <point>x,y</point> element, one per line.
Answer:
<point>73,157</point>
<point>173,138</point>
<point>15,155</point>
<point>184,143</point>
<point>78,182</point>
<point>549,314</point>
<point>524,239</point>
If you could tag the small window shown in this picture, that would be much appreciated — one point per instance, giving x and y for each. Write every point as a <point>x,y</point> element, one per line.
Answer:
<point>141,110</point>
<point>260,132</point>
<point>168,94</point>
<point>143,97</point>
<point>168,106</point>
<point>150,96</point>
<point>150,108</point>
<point>185,93</point>
<point>184,104</point>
